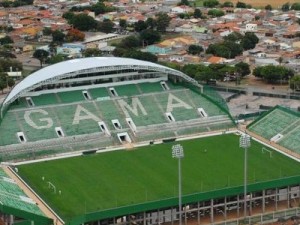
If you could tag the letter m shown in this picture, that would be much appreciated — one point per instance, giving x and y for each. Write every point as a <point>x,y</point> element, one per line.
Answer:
<point>136,104</point>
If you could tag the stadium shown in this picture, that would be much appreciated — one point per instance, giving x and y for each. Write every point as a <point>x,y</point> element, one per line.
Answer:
<point>91,140</point>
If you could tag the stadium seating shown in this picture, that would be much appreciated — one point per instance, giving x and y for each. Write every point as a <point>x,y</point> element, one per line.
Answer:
<point>202,102</point>
<point>279,121</point>
<point>155,114</point>
<point>145,103</point>
<point>20,103</point>
<point>9,129</point>
<point>273,123</point>
<point>127,90</point>
<point>150,87</point>
<point>11,195</point>
<point>44,99</point>
<point>109,111</point>
<point>31,133</point>
<point>291,140</point>
<point>70,96</point>
<point>98,93</point>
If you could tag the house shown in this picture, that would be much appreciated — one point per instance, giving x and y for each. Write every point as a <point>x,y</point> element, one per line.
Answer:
<point>251,27</point>
<point>216,60</point>
<point>158,49</point>
<point>266,61</point>
<point>181,9</point>
<point>69,52</point>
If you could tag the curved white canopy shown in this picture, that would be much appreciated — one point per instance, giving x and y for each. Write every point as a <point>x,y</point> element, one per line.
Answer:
<point>73,67</point>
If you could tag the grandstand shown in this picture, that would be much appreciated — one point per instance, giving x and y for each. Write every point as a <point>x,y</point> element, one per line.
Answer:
<point>116,100</point>
<point>14,201</point>
<point>280,125</point>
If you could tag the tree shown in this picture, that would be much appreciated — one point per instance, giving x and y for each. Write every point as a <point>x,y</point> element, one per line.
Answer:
<point>75,35</point>
<point>123,23</point>
<point>56,59</point>
<point>295,6</point>
<point>295,83</point>
<point>140,25</point>
<point>106,26</point>
<point>47,31</point>
<point>146,56</point>
<point>234,37</point>
<point>226,49</point>
<point>6,40</point>
<point>273,74</point>
<point>98,8</point>
<point>151,23</point>
<point>195,49</point>
<point>258,71</point>
<point>92,52</point>
<point>184,2</point>
<point>10,82</point>
<point>197,13</point>
<point>41,55</point>
<point>249,41</point>
<point>3,81</point>
<point>149,36</point>
<point>130,42</point>
<point>83,22</point>
<point>241,5</point>
<point>216,12</point>
<point>162,21</point>
<point>243,68</point>
<point>210,3</point>
<point>68,16</point>
<point>228,4</point>
<point>58,37</point>
<point>119,51</point>
<point>285,7</point>
<point>268,7</point>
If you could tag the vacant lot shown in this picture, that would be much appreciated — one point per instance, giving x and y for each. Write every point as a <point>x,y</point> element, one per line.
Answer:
<point>262,3</point>
<point>107,180</point>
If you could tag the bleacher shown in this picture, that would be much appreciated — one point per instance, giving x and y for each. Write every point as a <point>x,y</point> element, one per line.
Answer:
<point>8,129</point>
<point>150,87</point>
<point>144,103</point>
<point>98,93</point>
<point>70,96</point>
<point>127,90</point>
<point>11,195</point>
<point>44,99</point>
<point>279,121</point>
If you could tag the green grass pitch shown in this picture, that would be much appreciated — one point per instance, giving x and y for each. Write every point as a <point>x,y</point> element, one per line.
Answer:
<point>113,179</point>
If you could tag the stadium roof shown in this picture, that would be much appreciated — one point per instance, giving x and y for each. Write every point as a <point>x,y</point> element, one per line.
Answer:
<point>75,66</point>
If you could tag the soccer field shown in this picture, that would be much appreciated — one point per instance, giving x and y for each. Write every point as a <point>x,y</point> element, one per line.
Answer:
<point>102,181</point>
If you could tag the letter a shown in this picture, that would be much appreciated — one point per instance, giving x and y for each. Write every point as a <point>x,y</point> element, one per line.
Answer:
<point>86,116</point>
<point>178,103</point>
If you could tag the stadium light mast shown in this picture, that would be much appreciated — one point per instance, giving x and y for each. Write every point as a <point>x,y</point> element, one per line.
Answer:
<point>177,152</point>
<point>245,143</point>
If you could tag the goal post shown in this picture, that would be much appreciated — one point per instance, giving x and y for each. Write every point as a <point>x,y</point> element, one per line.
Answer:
<point>265,150</point>
<point>52,186</point>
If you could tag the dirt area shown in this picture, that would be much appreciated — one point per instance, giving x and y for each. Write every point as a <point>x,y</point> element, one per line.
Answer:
<point>262,3</point>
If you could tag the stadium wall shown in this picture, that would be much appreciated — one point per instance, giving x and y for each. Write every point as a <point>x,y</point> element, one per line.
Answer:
<point>173,202</point>
<point>37,219</point>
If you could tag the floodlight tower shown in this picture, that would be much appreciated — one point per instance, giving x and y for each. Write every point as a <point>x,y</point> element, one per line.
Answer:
<point>177,152</point>
<point>245,143</point>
